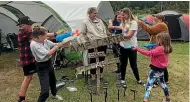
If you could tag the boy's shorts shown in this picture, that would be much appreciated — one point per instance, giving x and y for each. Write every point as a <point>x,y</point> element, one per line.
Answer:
<point>29,69</point>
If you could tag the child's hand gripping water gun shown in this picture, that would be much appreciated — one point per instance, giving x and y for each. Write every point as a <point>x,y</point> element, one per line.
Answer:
<point>150,45</point>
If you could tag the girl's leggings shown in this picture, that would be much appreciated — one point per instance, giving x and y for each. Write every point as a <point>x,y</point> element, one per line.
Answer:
<point>152,77</point>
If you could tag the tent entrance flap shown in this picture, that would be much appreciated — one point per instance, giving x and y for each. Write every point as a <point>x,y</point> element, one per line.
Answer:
<point>174,27</point>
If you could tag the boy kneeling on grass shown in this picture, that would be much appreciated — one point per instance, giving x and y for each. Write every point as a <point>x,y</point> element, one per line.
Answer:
<point>42,50</point>
<point>159,62</point>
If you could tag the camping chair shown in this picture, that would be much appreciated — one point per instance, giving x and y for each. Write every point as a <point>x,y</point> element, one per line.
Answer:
<point>66,58</point>
<point>8,44</point>
<point>72,57</point>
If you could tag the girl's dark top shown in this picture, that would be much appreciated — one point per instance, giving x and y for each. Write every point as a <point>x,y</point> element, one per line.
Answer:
<point>116,31</point>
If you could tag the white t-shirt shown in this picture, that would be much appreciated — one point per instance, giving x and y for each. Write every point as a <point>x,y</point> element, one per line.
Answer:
<point>40,50</point>
<point>132,25</point>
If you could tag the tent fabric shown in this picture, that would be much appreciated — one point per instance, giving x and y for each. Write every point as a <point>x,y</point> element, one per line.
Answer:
<point>186,20</point>
<point>34,10</point>
<point>177,25</point>
<point>169,12</point>
<point>52,24</point>
<point>74,12</point>
<point>7,25</point>
<point>31,9</point>
<point>8,13</point>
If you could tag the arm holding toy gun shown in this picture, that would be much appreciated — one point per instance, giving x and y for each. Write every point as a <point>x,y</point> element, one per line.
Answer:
<point>148,46</point>
<point>57,46</point>
<point>153,52</point>
<point>145,21</point>
<point>53,35</point>
<point>152,30</point>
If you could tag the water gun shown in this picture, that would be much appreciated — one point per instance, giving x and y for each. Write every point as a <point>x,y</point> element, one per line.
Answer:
<point>150,45</point>
<point>71,34</point>
<point>145,21</point>
<point>61,31</point>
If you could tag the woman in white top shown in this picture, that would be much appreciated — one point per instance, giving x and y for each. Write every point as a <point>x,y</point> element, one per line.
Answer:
<point>130,27</point>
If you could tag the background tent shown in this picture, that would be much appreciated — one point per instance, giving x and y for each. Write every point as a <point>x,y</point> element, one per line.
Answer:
<point>8,23</point>
<point>177,25</point>
<point>52,14</point>
<point>37,11</point>
<point>74,12</point>
<point>10,11</point>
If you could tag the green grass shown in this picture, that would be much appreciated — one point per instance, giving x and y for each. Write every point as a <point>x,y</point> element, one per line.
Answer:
<point>11,76</point>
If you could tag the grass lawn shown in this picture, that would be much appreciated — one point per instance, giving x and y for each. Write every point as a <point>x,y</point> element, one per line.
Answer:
<point>11,76</point>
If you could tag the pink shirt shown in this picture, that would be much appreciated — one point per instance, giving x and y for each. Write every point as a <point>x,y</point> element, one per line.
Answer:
<point>158,57</point>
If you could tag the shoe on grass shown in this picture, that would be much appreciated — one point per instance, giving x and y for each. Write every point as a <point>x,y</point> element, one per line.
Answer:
<point>22,101</point>
<point>58,97</point>
<point>122,82</point>
<point>141,83</point>
<point>167,82</point>
<point>166,100</point>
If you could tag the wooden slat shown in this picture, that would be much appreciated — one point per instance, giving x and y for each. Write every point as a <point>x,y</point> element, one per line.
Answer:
<point>75,46</point>
<point>98,64</point>
<point>96,54</point>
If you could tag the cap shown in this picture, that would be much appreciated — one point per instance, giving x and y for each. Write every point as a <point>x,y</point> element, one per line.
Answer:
<point>25,20</point>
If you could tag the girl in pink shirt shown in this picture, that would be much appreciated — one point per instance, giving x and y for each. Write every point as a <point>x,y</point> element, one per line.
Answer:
<point>159,62</point>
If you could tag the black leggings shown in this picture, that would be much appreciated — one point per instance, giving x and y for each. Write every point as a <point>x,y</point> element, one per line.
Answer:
<point>116,49</point>
<point>93,60</point>
<point>166,75</point>
<point>47,79</point>
<point>132,56</point>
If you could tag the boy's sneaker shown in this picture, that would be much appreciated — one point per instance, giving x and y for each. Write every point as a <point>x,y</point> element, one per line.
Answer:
<point>167,82</point>
<point>141,83</point>
<point>122,82</point>
<point>155,85</point>
<point>58,97</point>
<point>22,101</point>
<point>166,100</point>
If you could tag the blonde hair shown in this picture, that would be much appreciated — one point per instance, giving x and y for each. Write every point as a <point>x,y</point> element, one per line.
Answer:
<point>164,40</point>
<point>38,30</point>
<point>128,12</point>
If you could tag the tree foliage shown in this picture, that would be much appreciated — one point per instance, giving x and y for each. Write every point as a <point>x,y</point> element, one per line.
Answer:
<point>151,7</point>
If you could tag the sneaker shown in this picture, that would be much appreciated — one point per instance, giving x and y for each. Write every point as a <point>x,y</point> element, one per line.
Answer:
<point>116,71</point>
<point>22,101</point>
<point>167,82</point>
<point>58,97</point>
<point>166,100</point>
<point>155,85</point>
<point>122,82</point>
<point>141,83</point>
